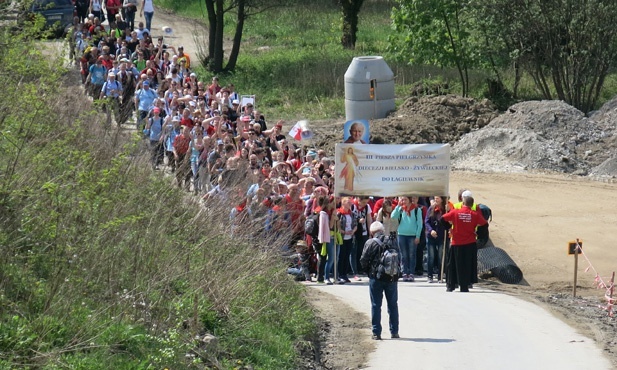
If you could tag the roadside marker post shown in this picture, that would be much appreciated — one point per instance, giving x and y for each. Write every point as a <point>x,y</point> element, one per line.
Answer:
<point>575,248</point>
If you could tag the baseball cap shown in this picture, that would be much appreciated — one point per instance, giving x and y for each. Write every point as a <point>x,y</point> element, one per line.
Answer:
<point>175,119</point>
<point>235,101</point>
<point>467,193</point>
<point>156,110</point>
<point>146,83</point>
<point>246,118</point>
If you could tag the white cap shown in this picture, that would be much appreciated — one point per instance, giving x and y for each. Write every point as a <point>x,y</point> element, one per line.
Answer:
<point>466,194</point>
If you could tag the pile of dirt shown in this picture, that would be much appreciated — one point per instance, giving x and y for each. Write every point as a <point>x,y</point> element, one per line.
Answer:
<point>542,136</point>
<point>429,119</point>
<point>539,136</point>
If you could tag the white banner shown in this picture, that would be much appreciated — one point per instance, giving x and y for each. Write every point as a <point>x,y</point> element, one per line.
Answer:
<point>392,170</point>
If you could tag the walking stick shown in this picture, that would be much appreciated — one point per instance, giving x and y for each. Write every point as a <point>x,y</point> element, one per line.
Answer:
<point>335,252</point>
<point>443,257</point>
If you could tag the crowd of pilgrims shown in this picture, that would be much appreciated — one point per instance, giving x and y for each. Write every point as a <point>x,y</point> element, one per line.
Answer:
<point>218,145</point>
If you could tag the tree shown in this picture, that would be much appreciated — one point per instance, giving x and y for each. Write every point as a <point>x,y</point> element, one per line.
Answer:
<point>567,46</point>
<point>351,9</point>
<point>435,32</point>
<point>216,10</point>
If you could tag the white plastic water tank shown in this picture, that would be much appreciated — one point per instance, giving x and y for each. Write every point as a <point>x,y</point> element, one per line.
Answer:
<point>358,102</point>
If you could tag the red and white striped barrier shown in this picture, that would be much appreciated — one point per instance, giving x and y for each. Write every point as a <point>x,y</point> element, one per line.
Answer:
<point>601,283</point>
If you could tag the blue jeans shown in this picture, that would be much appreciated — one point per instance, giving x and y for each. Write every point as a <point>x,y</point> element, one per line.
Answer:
<point>326,262</point>
<point>148,16</point>
<point>434,247</point>
<point>343,258</point>
<point>408,250</point>
<point>377,289</point>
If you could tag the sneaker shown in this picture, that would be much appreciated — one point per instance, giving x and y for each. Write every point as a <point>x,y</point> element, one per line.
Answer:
<point>329,282</point>
<point>405,277</point>
<point>320,282</point>
<point>347,280</point>
<point>341,281</point>
<point>376,337</point>
<point>356,278</point>
<point>411,278</point>
<point>430,279</point>
<point>395,336</point>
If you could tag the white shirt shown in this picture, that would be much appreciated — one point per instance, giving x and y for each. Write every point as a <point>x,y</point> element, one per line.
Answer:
<point>148,6</point>
<point>347,227</point>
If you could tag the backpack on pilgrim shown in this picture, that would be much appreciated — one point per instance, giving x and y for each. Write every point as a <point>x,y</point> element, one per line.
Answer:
<point>482,232</point>
<point>389,262</point>
<point>311,225</point>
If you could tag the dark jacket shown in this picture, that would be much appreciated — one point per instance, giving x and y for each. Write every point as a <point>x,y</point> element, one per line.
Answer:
<point>433,222</point>
<point>371,254</point>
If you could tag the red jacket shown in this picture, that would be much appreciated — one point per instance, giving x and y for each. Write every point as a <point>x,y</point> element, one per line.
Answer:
<point>464,222</point>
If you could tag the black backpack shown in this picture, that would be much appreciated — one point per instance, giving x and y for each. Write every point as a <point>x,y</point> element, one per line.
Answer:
<point>311,225</point>
<point>486,212</point>
<point>389,262</point>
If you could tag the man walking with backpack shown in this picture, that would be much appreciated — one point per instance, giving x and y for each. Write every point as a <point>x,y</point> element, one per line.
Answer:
<point>380,258</point>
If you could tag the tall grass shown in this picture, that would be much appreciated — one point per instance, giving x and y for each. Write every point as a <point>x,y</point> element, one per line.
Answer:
<point>105,264</point>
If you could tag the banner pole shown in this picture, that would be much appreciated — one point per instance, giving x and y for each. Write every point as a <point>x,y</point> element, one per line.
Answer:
<point>335,251</point>
<point>443,256</point>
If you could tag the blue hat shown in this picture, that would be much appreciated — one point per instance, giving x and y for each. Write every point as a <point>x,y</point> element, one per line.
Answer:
<point>146,83</point>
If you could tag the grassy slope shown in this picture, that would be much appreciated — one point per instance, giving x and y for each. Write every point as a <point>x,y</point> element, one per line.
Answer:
<point>105,264</point>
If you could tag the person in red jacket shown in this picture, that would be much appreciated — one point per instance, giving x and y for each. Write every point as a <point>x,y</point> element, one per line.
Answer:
<point>464,222</point>
<point>183,165</point>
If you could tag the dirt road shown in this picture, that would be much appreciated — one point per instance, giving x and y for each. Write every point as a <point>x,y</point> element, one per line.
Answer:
<point>482,329</point>
<point>534,216</point>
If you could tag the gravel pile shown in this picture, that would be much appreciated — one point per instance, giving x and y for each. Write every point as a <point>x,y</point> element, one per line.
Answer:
<point>542,136</point>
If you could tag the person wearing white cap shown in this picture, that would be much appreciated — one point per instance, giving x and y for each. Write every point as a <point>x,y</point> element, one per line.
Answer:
<point>381,283</point>
<point>111,92</point>
<point>461,269</point>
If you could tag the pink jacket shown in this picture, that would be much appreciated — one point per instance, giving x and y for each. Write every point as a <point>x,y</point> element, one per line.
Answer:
<point>324,228</point>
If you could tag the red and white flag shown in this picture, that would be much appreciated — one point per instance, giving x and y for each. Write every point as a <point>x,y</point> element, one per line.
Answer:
<point>301,131</point>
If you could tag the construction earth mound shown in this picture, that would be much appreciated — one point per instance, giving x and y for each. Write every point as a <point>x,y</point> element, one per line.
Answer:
<point>533,136</point>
